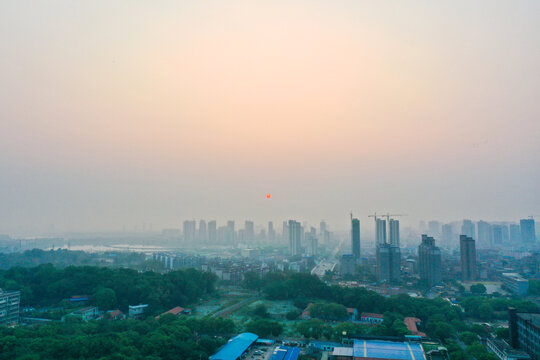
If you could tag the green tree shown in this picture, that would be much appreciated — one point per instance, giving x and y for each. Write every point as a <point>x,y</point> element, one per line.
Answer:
<point>105,299</point>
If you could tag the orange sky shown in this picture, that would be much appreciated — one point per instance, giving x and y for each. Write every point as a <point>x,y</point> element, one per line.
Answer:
<point>118,113</point>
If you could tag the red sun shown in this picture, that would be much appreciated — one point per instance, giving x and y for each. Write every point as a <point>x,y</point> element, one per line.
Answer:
<point>268,196</point>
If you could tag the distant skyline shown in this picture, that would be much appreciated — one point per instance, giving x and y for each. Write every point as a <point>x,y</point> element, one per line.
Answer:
<point>116,114</point>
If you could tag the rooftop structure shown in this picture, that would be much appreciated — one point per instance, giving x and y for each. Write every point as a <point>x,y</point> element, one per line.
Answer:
<point>411,324</point>
<point>285,353</point>
<point>515,283</point>
<point>178,310</point>
<point>236,346</point>
<point>391,350</point>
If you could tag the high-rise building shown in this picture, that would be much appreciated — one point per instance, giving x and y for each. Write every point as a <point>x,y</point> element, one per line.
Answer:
<point>285,232</point>
<point>394,232</point>
<point>496,234</point>
<point>468,257</point>
<point>212,231</point>
<point>515,233</point>
<point>348,263</point>
<point>447,235</point>
<point>434,228</point>
<point>467,228</point>
<point>230,235</point>
<point>295,235</point>
<point>388,263</point>
<point>528,232</point>
<point>203,234</point>
<point>9,307</point>
<point>190,230</point>
<point>313,242</point>
<point>249,234</point>
<point>484,234</point>
<point>380,230</point>
<point>271,232</point>
<point>355,238</point>
<point>429,261</point>
<point>324,234</point>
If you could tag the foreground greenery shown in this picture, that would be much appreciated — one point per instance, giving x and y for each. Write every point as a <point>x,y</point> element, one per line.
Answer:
<point>108,288</point>
<point>169,337</point>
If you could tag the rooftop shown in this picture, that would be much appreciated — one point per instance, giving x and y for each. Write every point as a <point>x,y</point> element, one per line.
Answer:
<point>391,350</point>
<point>235,347</point>
<point>533,318</point>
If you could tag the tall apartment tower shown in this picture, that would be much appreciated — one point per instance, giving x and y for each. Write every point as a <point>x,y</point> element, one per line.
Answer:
<point>447,235</point>
<point>484,234</point>
<point>203,233</point>
<point>190,230</point>
<point>528,232</point>
<point>515,234</point>
<point>394,232</point>
<point>230,234</point>
<point>355,238</point>
<point>271,232</point>
<point>467,228</point>
<point>249,233</point>
<point>388,263</point>
<point>295,235</point>
<point>380,231</point>
<point>429,261</point>
<point>212,232</point>
<point>467,247</point>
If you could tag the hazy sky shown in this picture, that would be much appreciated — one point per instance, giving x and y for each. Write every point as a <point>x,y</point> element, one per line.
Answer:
<point>123,112</point>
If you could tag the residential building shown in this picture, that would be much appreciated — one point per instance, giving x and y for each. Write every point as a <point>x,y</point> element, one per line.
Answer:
<point>380,230</point>
<point>371,318</point>
<point>295,233</point>
<point>515,234</point>
<point>85,314</point>
<point>348,263</point>
<point>468,258</point>
<point>515,283</point>
<point>203,233</point>
<point>524,332</point>
<point>388,263</point>
<point>355,238</point>
<point>429,261</point>
<point>528,232</point>
<point>484,234</point>
<point>137,311</point>
<point>393,226</point>
<point>9,307</point>
<point>190,229</point>
<point>503,351</point>
<point>212,232</point>
<point>467,228</point>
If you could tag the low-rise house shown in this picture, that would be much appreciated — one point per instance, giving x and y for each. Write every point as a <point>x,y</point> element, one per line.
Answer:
<point>353,313</point>
<point>371,318</point>
<point>178,310</point>
<point>137,311</point>
<point>116,315</point>
<point>85,314</point>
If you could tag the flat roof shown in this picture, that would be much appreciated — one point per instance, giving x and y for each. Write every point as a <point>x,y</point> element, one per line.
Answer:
<point>342,351</point>
<point>285,353</point>
<point>392,350</point>
<point>235,347</point>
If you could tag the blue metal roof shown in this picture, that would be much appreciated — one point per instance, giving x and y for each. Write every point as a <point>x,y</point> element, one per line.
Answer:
<point>235,347</point>
<point>381,349</point>
<point>285,353</point>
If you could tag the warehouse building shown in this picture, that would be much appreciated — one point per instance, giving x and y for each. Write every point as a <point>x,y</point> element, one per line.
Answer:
<point>236,347</point>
